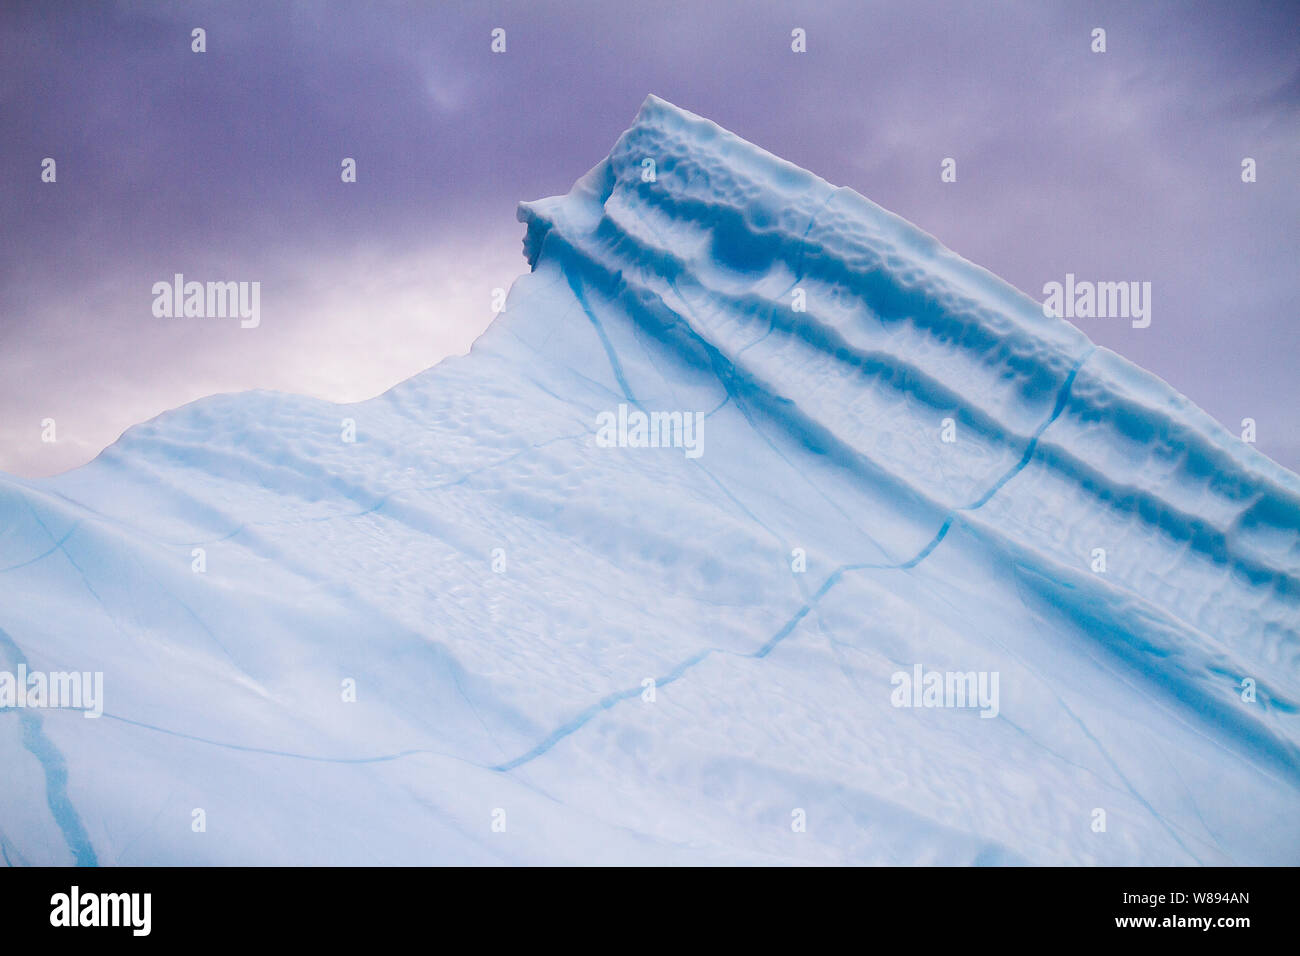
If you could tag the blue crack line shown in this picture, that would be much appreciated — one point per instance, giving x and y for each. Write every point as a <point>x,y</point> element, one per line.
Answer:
<point>40,746</point>
<point>609,701</point>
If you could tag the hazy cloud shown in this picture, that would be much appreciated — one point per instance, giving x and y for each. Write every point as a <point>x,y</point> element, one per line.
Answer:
<point>225,165</point>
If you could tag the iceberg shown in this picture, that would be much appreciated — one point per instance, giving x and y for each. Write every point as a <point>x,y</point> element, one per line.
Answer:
<point>946,583</point>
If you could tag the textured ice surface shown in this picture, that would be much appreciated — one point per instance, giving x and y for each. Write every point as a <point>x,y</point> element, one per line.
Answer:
<point>522,690</point>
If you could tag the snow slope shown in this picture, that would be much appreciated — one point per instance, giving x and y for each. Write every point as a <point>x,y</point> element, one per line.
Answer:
<point>521,689</point>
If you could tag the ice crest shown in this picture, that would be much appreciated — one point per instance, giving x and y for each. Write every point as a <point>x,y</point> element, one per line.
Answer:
<point>638,577</point>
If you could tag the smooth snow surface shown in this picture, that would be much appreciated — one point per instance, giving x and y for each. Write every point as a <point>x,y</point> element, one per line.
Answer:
<point>521,690</point>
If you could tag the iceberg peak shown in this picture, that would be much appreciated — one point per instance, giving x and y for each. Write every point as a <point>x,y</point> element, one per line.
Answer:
<point>754,498</point>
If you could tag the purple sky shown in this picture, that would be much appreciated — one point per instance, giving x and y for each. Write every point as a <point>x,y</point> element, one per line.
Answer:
<point>225,165</point>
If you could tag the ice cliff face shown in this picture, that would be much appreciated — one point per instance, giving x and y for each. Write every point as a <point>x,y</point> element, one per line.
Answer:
<point>568,648</point>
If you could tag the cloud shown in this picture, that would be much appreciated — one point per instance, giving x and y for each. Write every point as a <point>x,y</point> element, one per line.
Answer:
<point>1122,165</point>
<point>343,327</point>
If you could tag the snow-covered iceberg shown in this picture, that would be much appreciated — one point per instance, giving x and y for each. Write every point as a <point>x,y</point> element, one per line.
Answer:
<point>877,462</point>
